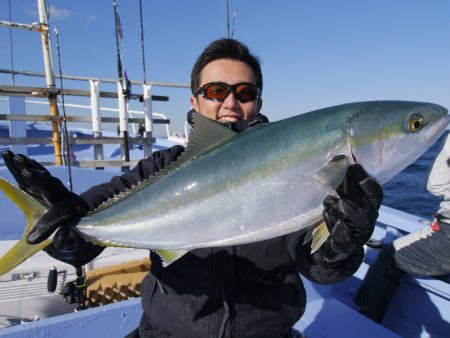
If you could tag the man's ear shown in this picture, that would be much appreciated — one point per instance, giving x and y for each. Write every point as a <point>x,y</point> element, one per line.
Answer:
<point>260,102</point>
<point>194,103</point>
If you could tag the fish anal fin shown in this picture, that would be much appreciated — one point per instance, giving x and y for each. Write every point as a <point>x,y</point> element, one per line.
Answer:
<point>170,256</point>
<point>317,234</point>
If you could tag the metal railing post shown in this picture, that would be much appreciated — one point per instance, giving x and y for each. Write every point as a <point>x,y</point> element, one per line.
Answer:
<point>123,123</point>
<point>148,119</point>
<point>96,119</point>
<point>52,96</point>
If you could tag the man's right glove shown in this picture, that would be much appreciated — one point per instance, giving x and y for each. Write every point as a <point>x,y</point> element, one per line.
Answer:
<point>63,206</point>
<point>351,217</point>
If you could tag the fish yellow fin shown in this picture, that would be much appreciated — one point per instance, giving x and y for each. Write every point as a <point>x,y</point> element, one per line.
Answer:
<point>169,256</point>
<point>319,235</point>
<point>33,211</point>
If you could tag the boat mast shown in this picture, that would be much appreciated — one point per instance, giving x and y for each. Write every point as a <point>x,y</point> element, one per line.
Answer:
<point>52,92</point>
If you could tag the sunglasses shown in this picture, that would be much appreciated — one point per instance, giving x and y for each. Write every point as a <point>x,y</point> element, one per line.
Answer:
<point>219,91</point>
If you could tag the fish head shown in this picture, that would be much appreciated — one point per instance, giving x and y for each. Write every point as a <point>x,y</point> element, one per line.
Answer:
<point>387,136</point>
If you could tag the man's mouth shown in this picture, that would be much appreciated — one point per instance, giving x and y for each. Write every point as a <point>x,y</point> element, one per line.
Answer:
<point>224,119</point>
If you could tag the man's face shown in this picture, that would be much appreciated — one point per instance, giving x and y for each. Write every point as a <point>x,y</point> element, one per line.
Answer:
<point>230,110</point>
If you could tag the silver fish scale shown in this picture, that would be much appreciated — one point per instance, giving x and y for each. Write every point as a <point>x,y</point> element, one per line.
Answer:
<point>262,184</point>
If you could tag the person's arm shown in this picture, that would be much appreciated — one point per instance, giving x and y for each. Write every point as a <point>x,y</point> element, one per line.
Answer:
<point>439,177</point>
<point>65,206</point>
<point>350,220</point>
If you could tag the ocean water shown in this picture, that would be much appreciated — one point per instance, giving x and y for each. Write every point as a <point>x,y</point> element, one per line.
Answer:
<point>407,191</point>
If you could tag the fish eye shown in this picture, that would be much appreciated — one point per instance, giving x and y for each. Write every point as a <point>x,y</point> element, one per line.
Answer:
<point>415,123</point>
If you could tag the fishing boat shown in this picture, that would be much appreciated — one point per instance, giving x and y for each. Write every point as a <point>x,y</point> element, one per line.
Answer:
<point>40,298</point>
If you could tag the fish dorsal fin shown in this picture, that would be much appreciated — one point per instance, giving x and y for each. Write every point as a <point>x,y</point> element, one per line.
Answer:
<point>205,136</point>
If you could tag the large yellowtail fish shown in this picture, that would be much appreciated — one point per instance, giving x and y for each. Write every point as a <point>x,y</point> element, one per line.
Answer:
<point>229,188</point>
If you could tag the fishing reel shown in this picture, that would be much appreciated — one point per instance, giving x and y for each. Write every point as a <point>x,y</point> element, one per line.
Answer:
<point>72,292</point>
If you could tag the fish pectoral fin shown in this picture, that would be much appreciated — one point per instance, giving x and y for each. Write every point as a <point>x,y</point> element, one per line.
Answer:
<point>317,234</point>
<point>33,211</point>
<point>170,256</point>
<point>333,173</point>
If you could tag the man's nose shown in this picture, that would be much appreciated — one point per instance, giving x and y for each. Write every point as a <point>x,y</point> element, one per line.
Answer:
<point>230,101</point>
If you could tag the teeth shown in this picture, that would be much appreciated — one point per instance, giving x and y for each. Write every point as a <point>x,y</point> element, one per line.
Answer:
<point>228,119</point>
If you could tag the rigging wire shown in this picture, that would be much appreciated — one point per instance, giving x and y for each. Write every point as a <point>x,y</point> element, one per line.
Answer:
<point>142,43</point>
<point>11,44</point>
<point>66,133</point>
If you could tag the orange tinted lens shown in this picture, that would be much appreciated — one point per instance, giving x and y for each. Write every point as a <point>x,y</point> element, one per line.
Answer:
<point>246,92</point>
<point>215,92</point>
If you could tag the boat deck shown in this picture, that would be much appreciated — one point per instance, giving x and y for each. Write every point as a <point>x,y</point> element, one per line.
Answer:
<point>419,309</point>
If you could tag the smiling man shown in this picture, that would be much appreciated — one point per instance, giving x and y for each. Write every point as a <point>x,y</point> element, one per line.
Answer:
<point>251,290</point>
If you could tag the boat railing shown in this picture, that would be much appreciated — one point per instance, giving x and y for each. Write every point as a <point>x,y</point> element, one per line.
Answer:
<point>123,93</point>
<point>141,122</point>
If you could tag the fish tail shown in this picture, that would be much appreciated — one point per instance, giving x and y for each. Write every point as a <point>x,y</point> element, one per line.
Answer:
<point>33,211</point>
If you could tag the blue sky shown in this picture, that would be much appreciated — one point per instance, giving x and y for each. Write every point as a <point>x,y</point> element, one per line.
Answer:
<point>315,53</point>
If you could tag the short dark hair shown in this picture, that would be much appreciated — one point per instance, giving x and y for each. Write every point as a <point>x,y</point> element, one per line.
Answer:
<point>225,49</point>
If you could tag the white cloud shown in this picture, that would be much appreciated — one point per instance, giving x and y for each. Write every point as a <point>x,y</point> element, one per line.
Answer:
<point>92,18</point>
<point>59,14</point>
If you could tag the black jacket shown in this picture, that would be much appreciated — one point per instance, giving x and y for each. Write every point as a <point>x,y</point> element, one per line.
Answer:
<point>251,290</point>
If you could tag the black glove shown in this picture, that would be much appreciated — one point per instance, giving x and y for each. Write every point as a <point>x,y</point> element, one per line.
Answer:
<point>351,217</point>
<point>63,206</point>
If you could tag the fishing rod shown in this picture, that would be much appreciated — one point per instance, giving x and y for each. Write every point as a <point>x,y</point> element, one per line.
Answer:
<point>230,32</point>
<point>142,42</point>
<point>228,19</point>
<point>233,28</point>
<point>122,77</point>
<point>66,133</point>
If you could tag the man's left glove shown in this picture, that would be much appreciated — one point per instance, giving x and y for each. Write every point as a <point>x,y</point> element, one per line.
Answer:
<point>351,217</point>
<point>63,206</point>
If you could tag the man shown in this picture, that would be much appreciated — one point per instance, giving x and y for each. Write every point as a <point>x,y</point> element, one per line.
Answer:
<point>425,252</point>
<point>251,290</point>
